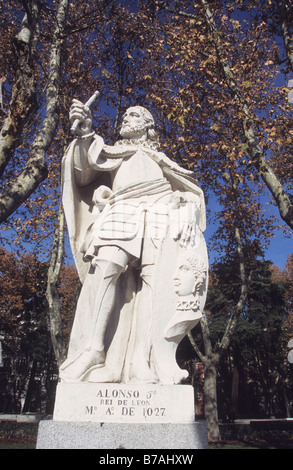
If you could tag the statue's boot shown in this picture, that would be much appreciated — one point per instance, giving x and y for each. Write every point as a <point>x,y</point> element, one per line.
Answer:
<point>74,369</point>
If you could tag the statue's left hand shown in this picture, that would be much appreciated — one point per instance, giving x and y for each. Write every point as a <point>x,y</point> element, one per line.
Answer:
<point>186,204</point>
<point>187,237</point>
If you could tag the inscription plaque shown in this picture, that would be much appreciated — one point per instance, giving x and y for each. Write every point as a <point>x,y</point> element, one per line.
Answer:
<point>124,403</point>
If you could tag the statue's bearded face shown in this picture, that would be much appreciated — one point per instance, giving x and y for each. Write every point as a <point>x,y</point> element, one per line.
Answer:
<point>133,124</point>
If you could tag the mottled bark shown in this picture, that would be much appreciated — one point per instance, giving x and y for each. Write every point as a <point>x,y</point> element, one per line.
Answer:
<point>267,174</point>
<point>52,290</point>
<point>285,28</point>
<point>23,91</point>
<point>212,355</point>
<point>35,170</point>
<point>210,398</point>
<point>210,361</point>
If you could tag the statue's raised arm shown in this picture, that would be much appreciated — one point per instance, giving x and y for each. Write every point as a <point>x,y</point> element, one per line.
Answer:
<point>80,115</point>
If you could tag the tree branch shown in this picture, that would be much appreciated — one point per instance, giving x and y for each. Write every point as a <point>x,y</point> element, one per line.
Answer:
<point>195,347</point>
<point>288,41</point>
<point>237,311</point>
<point>23,92</point>
<point>265,171</point>
<point>35,170</point>
<point>52,291</point>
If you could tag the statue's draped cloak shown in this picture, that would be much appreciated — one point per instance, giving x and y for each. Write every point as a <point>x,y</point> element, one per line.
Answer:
<point>167,329</point>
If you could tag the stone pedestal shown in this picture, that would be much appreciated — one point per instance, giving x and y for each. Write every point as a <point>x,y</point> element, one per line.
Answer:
<point>129,416</point>
<point>78,435</point>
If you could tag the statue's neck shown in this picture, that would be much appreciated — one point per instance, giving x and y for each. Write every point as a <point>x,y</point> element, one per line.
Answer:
<point>150,144</point>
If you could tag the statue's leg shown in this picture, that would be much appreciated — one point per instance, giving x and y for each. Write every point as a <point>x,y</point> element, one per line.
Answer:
<point>140,369</point>
<point>104,301</point>
<point>102,306</point>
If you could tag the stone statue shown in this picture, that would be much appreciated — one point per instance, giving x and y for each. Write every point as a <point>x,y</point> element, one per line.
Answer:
<point>136,222</point>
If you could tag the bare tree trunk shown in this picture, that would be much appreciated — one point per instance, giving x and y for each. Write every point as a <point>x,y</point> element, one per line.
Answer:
<point>282,199</point>
<point>288,40</point>
<point>235,390</point>
<point>35,170</point>
<point>52,291</point>
<point>210,397</point>
<point>210,361</point>
<point>23,93</point>
<point>29,388</point>
<point>212,355</point>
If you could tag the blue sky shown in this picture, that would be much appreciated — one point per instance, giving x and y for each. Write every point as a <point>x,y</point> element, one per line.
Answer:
<point>280,247</point>
<point>278,251</point>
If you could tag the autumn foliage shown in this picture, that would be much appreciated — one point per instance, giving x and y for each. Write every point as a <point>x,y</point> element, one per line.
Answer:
<point>213,73</point>
<point>22,294</point>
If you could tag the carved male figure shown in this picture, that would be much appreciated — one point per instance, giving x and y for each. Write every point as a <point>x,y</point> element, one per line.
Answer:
<point>117,202</point>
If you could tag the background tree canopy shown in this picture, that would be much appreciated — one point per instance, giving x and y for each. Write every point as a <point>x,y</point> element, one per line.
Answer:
<point>213,73</point>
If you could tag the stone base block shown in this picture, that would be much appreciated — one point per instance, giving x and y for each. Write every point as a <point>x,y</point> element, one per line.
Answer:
<point>89,435</point>
<point>124,403</point>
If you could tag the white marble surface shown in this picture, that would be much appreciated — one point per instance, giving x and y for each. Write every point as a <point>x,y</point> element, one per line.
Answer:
<point>136,221</point>
<point>124,403</point>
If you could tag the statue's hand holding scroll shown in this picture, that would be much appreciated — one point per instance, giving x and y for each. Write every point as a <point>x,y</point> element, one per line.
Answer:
<point>82,113</point>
